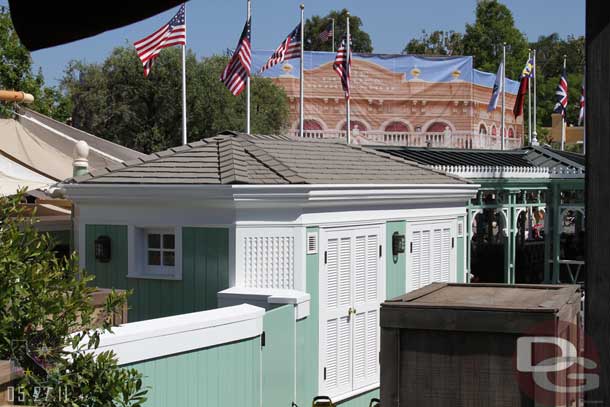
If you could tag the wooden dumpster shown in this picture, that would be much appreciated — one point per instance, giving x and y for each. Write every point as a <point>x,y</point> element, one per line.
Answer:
<point>455,344</point>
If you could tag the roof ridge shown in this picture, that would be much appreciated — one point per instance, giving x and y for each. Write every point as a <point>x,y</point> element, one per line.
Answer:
<point>408,162</point>
<point>135,162</point>
<point>271,162</point>
<point>232,165</point>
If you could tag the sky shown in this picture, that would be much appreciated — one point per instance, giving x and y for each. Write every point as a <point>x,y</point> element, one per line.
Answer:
<point>215,25</point>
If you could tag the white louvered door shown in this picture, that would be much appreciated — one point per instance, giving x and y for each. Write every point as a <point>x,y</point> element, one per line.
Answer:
<point>367,293</point>
<point>431,254</point>
<point>350,294</point>
<point>336,332</point>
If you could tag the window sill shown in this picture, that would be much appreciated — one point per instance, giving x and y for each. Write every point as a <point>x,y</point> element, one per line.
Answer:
<point>355,393</point>
<point>153,277</point>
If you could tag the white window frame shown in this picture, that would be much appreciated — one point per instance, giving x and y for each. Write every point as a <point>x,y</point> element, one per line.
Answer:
<point>138,254</point>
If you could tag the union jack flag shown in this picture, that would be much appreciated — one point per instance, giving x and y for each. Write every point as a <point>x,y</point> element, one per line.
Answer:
<point>342,65</point>
<point>172,33</point>
<point>562,95</point>
<point>289,48</point>
<point>327,33</point>
<point>237,70</point>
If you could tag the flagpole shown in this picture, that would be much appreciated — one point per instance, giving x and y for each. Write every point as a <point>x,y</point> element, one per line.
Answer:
<point>503,123</point>
<point>348,61</point>
<point>248,15</point>
<point>535,124</point>
<point>184,138</point>
<point>333,20</point>
<point>584,112</point>
<point>565,113</point>
<point>302,70</point>
<point>529,102</point>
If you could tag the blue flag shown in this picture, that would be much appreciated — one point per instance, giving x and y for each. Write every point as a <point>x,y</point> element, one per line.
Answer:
<point>493,102</point>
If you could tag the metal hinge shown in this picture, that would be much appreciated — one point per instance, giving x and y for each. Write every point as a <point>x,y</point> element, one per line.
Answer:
<point>379,250</point>
<point>324,373</point>
<point>263,339</point>
<point>325,257</point>
<point>411,247</point>
<point>452,242</point>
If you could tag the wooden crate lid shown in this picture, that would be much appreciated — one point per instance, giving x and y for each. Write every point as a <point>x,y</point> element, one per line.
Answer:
<point>480,307</point>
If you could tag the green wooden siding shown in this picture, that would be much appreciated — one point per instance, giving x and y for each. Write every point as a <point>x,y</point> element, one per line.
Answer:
<point>461,247</point>
<point>307,336</point>
<point>279,357</point>
<point>396,266</point>
<point>205,271</point>
<point>224,375</point>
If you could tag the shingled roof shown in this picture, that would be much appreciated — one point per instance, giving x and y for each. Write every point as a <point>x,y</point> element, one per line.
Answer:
<point>527,157</point>
<point>232,158</point>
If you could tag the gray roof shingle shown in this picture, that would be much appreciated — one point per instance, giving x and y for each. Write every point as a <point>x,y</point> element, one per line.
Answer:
<point>232,158</point>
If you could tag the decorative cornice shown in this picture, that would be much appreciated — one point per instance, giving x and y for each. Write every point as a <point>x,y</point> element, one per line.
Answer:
<point>505,172</point>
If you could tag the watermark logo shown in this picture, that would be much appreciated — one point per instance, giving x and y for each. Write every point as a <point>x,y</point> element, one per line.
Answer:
<point>556,364</point>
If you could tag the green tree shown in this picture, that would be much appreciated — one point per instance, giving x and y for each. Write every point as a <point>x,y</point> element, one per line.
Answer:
<point>361,41</point>
<point>483,40</point>
<point>115,101</point>
<point>47,325</point>
<point>550,50</point>
<point>436,43</point>
<point>16,73</point>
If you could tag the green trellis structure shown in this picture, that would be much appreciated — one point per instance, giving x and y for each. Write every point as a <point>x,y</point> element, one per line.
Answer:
<point>513,182</point>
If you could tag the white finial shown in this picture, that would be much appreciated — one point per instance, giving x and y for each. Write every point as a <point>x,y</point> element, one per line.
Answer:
<point>81,158</point>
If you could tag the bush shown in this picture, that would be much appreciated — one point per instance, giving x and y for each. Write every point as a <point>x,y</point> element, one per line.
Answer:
<point>46,319</point>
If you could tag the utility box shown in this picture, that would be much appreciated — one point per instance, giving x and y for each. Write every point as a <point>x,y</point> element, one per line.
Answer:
<point>456,345</point>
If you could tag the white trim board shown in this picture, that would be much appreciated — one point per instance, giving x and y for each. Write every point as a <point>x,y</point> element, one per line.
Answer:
<point>266,298</point>
<point>153,338</point>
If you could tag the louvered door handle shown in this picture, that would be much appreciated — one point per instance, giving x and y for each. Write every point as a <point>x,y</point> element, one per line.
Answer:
<point>351,311</point>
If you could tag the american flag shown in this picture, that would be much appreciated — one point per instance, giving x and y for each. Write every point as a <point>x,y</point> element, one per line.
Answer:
<point>342,66</point>
<point>327,33</point>
<point>172,33</point>
<point>581,114</point>
<point>288,49</point>
<point>237,70</point>
<point>562,95</point>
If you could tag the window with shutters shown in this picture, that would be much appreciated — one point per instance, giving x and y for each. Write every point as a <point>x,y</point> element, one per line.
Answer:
<point>351,289</point>
<point>431,256</point>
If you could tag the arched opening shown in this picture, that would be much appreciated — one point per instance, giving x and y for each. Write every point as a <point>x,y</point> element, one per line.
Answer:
<point>572,246</point>
<point>488,246</point>
<point>396,132</point>
<point>529,250</point>
<point>494,131</point>
<point>312,129</point>
<point>437,127</point>
<point>397,127</point>
<point>511,133</point>
<point>310,124</point>
<point>483,129</point>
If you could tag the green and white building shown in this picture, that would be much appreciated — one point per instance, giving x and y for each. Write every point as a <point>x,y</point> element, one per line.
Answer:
<point>258,264</point>
<point>526,223</point>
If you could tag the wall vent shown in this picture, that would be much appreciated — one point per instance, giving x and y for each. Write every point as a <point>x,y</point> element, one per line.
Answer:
<point>460,228</point>
<point>269,261</point>
<point>312,243</point>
